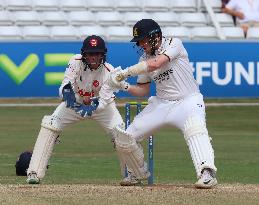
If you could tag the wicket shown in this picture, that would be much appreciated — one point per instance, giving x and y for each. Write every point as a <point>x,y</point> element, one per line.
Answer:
<point>150,139</point>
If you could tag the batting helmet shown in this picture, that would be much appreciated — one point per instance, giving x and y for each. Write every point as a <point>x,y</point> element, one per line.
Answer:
<point>145,28</point>
<point>22,164</point>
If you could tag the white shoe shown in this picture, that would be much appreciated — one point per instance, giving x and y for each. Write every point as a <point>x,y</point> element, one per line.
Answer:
<point>32,178</point>
<point>207,179</point>
<point>132,180</point>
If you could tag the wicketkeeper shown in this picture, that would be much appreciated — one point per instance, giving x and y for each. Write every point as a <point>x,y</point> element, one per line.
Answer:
<point>84,80</point>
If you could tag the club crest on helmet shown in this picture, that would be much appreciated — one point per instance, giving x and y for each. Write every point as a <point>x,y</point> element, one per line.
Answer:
<point>135,32</point>
<point>93,42</point>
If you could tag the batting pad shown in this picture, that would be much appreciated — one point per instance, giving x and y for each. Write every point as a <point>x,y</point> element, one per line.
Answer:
<point>50,129</point>
<point>130,152</point>
<point>198,141</point>
<point>122,164</point>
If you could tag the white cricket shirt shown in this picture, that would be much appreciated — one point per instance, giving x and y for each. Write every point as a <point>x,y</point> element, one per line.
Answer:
<point>174,80</point>
<point>86,83</point>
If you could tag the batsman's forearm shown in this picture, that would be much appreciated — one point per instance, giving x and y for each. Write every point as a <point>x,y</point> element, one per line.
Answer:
<point>137,69</point>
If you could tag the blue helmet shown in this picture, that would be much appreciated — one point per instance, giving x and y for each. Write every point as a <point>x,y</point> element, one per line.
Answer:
<point>145,28</point>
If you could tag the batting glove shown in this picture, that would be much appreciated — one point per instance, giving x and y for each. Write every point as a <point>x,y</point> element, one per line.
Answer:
<point>122,75</point>
<point>114,83</point>
<point>69,95</point>
<point>124,85</point>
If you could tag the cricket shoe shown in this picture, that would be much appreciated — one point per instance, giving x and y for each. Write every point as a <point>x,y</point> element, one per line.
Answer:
<point>132,180</point>
<point>207,179</point>
<point>32,178</point>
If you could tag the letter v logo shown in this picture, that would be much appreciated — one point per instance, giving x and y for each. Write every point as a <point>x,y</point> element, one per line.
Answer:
<point>19,73</point>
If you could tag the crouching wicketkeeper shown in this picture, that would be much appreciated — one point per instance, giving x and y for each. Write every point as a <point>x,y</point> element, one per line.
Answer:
<point>84,80</point>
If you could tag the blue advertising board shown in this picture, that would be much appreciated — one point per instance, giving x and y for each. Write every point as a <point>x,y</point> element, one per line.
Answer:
<point>36,69</point>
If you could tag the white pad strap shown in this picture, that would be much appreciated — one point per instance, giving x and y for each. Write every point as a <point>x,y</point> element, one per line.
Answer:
<point>198,141</point>
<point>50,129</point>
<point>131,153</point>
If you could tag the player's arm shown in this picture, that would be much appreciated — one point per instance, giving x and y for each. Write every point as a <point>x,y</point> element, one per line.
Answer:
<point>105,96</point>
<point>143,67</point>
<point>171,52</point>
<point>232,9</point>
<point>157,62</point>
<point>108,88</point>
<point>66,90</point>
<point>232,12</point>
<point>139,90</point>
<point>71,73</point>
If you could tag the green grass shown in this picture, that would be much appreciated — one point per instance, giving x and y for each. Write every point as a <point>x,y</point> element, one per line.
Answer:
<point>85,154</point>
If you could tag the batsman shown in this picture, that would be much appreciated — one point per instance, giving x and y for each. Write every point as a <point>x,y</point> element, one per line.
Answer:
<point>84,80</point>
<point>178,102</point>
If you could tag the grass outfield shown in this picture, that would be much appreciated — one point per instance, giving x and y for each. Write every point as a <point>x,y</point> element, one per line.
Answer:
<point>85,156</point>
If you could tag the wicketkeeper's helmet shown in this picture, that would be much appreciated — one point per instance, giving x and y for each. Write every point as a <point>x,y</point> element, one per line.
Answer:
<point>94,44</point>
<point>22,164</point>
<point>147,28</point>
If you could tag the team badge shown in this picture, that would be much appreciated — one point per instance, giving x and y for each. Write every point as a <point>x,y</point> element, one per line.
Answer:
<point>93,42</point>
<point>96,83</point>
<point>135,32</point>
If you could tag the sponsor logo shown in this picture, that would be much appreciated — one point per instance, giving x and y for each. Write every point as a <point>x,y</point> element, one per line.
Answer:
<point>83,93</point>
<point>163,76</point>
<point>231,73</point>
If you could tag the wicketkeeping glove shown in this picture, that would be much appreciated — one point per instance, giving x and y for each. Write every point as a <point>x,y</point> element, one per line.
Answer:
<point>69,95</point>
<point>87,110</point>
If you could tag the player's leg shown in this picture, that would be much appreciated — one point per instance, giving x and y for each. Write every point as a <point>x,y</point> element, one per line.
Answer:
<point>131,179</point>
<point>132,153</point>
<point>189,116</point>
<point>51,127</point>
<point>128,143</point>
<point>150,119</point>
<point>109,118</point>
<point>202,153</point>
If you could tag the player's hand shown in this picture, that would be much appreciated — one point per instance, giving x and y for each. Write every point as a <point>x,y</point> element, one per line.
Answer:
<point>240,15</point>
<point>87,110</point>
<point>69,95</point>
<point>95,102</point>
<point>122,75</point>
<point>114,83</point>
<point>124,85</point>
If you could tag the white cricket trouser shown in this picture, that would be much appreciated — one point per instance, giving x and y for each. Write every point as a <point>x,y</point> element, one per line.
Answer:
<point>188,115</point>
<point>160,112</point>
<point>107,118</point>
